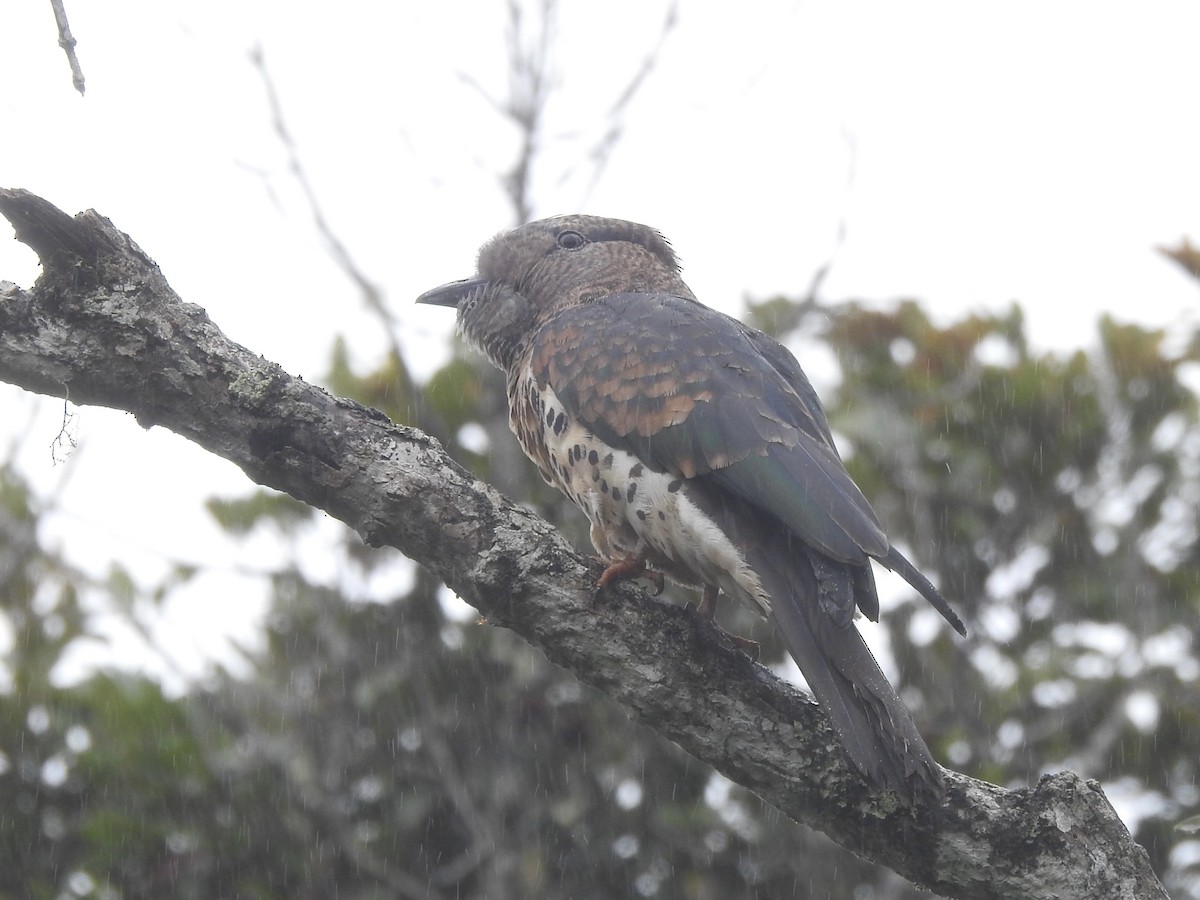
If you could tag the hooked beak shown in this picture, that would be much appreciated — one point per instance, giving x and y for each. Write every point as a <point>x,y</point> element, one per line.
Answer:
<point>451,294</point>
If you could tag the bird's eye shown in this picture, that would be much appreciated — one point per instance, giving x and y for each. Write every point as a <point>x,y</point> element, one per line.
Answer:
<point>571,240</point>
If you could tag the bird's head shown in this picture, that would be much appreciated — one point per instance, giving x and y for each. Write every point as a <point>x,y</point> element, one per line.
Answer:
<point>525,275</point>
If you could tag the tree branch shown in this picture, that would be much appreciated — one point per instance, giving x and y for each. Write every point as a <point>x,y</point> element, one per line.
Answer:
<point>67,41</point>
<point>103,324</point>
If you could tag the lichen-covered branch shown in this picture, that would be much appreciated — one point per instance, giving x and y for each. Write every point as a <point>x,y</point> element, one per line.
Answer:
<point>103,326</point>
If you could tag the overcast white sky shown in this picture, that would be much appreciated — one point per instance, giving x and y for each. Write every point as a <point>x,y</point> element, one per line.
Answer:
<point>978,153</point>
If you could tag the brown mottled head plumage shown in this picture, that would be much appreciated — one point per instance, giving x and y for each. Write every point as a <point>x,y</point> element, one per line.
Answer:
<point>549,265</point>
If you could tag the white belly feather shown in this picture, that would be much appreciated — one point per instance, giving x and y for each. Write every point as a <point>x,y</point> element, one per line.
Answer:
<point>634,509</point>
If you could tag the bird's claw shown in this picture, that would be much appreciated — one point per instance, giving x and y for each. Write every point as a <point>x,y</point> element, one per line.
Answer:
<point>707,611</point>
<point>631,567</point>
<point>747,646</point>
<point>657,579</point>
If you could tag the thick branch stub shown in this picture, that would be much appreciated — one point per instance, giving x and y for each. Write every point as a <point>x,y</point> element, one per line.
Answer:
<point>44,228</point>
<point>71,246</point>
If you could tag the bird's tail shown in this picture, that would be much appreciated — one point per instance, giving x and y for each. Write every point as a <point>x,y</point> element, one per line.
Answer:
<point>896,561</point>
<point>874,727</point>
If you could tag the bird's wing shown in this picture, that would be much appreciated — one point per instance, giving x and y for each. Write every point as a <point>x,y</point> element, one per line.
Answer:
<point>694,392</point>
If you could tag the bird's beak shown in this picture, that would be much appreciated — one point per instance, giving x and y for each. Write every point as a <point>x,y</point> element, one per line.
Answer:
<point>451,294</point>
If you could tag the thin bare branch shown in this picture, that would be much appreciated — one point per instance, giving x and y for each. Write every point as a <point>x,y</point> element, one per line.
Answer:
<point>530,69</point>
<point>67,41</point>
<point>530,36</point>
<point>370,292</point>
<point>372,295</point>
<point>602,148</point>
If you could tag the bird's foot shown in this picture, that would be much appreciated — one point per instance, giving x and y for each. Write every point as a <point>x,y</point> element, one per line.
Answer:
<point>747,646</point>
<point>630,567</point>
<point>707,611</point>
<point>708,602</point>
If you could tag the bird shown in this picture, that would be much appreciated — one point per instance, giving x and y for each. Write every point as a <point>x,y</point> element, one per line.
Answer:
<point>699,451</point>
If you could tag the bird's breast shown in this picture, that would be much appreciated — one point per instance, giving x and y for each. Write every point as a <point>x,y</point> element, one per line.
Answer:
<point>633,509</point>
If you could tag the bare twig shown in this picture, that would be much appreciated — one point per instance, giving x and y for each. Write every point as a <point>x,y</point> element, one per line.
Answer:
<point>372,295</point>
<point>529,83</point>
<point>531,40</point>
<point>65,442</point>
<point>602,148</point>
<point>67,41</point>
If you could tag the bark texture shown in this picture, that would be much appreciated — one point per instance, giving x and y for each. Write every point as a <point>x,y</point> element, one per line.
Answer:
<point>103,327</point>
